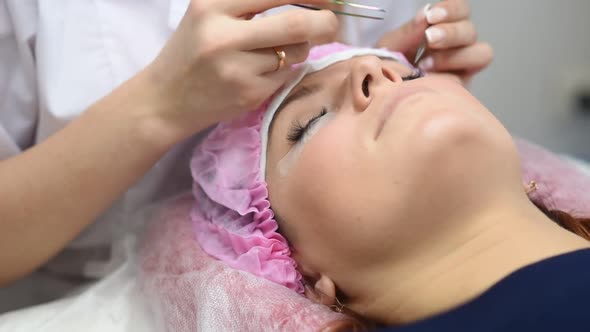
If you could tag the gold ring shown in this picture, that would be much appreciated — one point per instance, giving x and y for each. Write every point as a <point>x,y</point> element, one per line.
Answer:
<point>282,58</point>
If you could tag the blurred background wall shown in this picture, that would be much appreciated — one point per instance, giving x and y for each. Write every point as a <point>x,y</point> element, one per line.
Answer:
<point>541,69</point>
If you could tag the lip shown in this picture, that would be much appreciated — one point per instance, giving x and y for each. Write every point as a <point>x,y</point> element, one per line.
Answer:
<point>401,94</point>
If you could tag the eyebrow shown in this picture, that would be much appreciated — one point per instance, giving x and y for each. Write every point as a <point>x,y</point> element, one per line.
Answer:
<point>301,92</point>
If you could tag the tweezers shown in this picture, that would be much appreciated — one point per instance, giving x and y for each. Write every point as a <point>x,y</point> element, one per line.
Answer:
<point>423,44</point>
<point>347,13</point>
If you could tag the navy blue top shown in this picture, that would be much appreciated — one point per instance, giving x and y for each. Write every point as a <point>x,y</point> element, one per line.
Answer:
<point>551,295</point>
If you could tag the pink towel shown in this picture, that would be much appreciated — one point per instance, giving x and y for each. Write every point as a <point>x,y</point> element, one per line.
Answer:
<point>560,185</point>
<point>190,291</point>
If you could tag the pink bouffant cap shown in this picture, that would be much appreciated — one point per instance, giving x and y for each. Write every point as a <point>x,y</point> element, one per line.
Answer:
<point>232,216</point>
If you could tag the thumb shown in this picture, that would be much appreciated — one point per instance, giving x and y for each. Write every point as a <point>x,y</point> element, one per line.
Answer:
<point>407,37</point>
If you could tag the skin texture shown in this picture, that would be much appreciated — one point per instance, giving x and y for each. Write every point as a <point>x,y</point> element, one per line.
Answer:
<point>409,217</point>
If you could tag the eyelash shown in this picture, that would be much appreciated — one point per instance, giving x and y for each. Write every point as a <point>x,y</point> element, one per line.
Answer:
<point>416,74</point>
<point>298,130</point>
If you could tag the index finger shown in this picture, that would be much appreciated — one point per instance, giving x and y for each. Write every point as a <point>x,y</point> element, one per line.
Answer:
<point>290,27</point>
<point>241,7</point>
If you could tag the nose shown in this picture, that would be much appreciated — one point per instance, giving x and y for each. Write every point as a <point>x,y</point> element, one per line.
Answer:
<point>368,73</point>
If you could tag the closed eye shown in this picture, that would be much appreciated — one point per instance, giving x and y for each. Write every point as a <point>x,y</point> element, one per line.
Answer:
<point>297,131</point>
<point>416,74</point>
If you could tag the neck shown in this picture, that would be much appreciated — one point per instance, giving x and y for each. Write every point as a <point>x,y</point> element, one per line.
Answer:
<point>494,244</point>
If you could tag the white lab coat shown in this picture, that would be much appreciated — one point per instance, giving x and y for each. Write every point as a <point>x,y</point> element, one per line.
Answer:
<point>56,58</point>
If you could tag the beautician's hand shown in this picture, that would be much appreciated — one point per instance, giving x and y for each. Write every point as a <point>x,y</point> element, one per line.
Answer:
<point>215,66</point>
<point>218,64</point>
<point>452,40</point>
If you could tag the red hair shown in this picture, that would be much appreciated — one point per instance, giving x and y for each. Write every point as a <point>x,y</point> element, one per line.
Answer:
<point>578,226</point>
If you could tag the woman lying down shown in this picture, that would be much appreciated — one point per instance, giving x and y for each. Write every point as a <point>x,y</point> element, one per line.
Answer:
<point>392,197</point>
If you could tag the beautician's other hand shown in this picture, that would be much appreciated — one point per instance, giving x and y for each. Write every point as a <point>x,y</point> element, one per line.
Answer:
<point>452,40</point>
<point>219,64</point>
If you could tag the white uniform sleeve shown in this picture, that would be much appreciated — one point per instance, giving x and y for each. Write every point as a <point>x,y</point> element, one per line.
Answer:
<point>18,97</point>
<point>85,49</point>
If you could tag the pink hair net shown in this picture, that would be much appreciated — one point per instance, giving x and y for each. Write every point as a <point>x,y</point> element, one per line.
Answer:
<point>232,217</point>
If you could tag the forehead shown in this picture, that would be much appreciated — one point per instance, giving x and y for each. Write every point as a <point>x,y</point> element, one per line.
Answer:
<point>334,69</point>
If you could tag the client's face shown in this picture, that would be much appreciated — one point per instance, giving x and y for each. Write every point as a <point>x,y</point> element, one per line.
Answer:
<point>362,165</point>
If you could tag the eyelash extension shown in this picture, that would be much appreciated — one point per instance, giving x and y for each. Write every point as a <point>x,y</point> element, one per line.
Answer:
<point>297,130</point>
<point>416,74</point>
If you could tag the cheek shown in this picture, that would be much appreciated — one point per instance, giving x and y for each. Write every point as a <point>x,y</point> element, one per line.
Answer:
<point>329,164</point>
<point>436,124</point>
<point>451,149</point>
<point>337,204</point>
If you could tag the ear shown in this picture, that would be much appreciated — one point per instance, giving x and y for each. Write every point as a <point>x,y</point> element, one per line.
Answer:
<point>327,290</point>
<point>321,290</point>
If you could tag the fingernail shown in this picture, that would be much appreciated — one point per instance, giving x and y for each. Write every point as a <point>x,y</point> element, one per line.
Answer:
<point>434,35</point>
<point>422,14</point>
<point>426,64</point>
<point>436,15</point>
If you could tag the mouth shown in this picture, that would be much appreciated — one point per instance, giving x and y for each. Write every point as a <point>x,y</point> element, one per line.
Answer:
<point>397,98</point>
